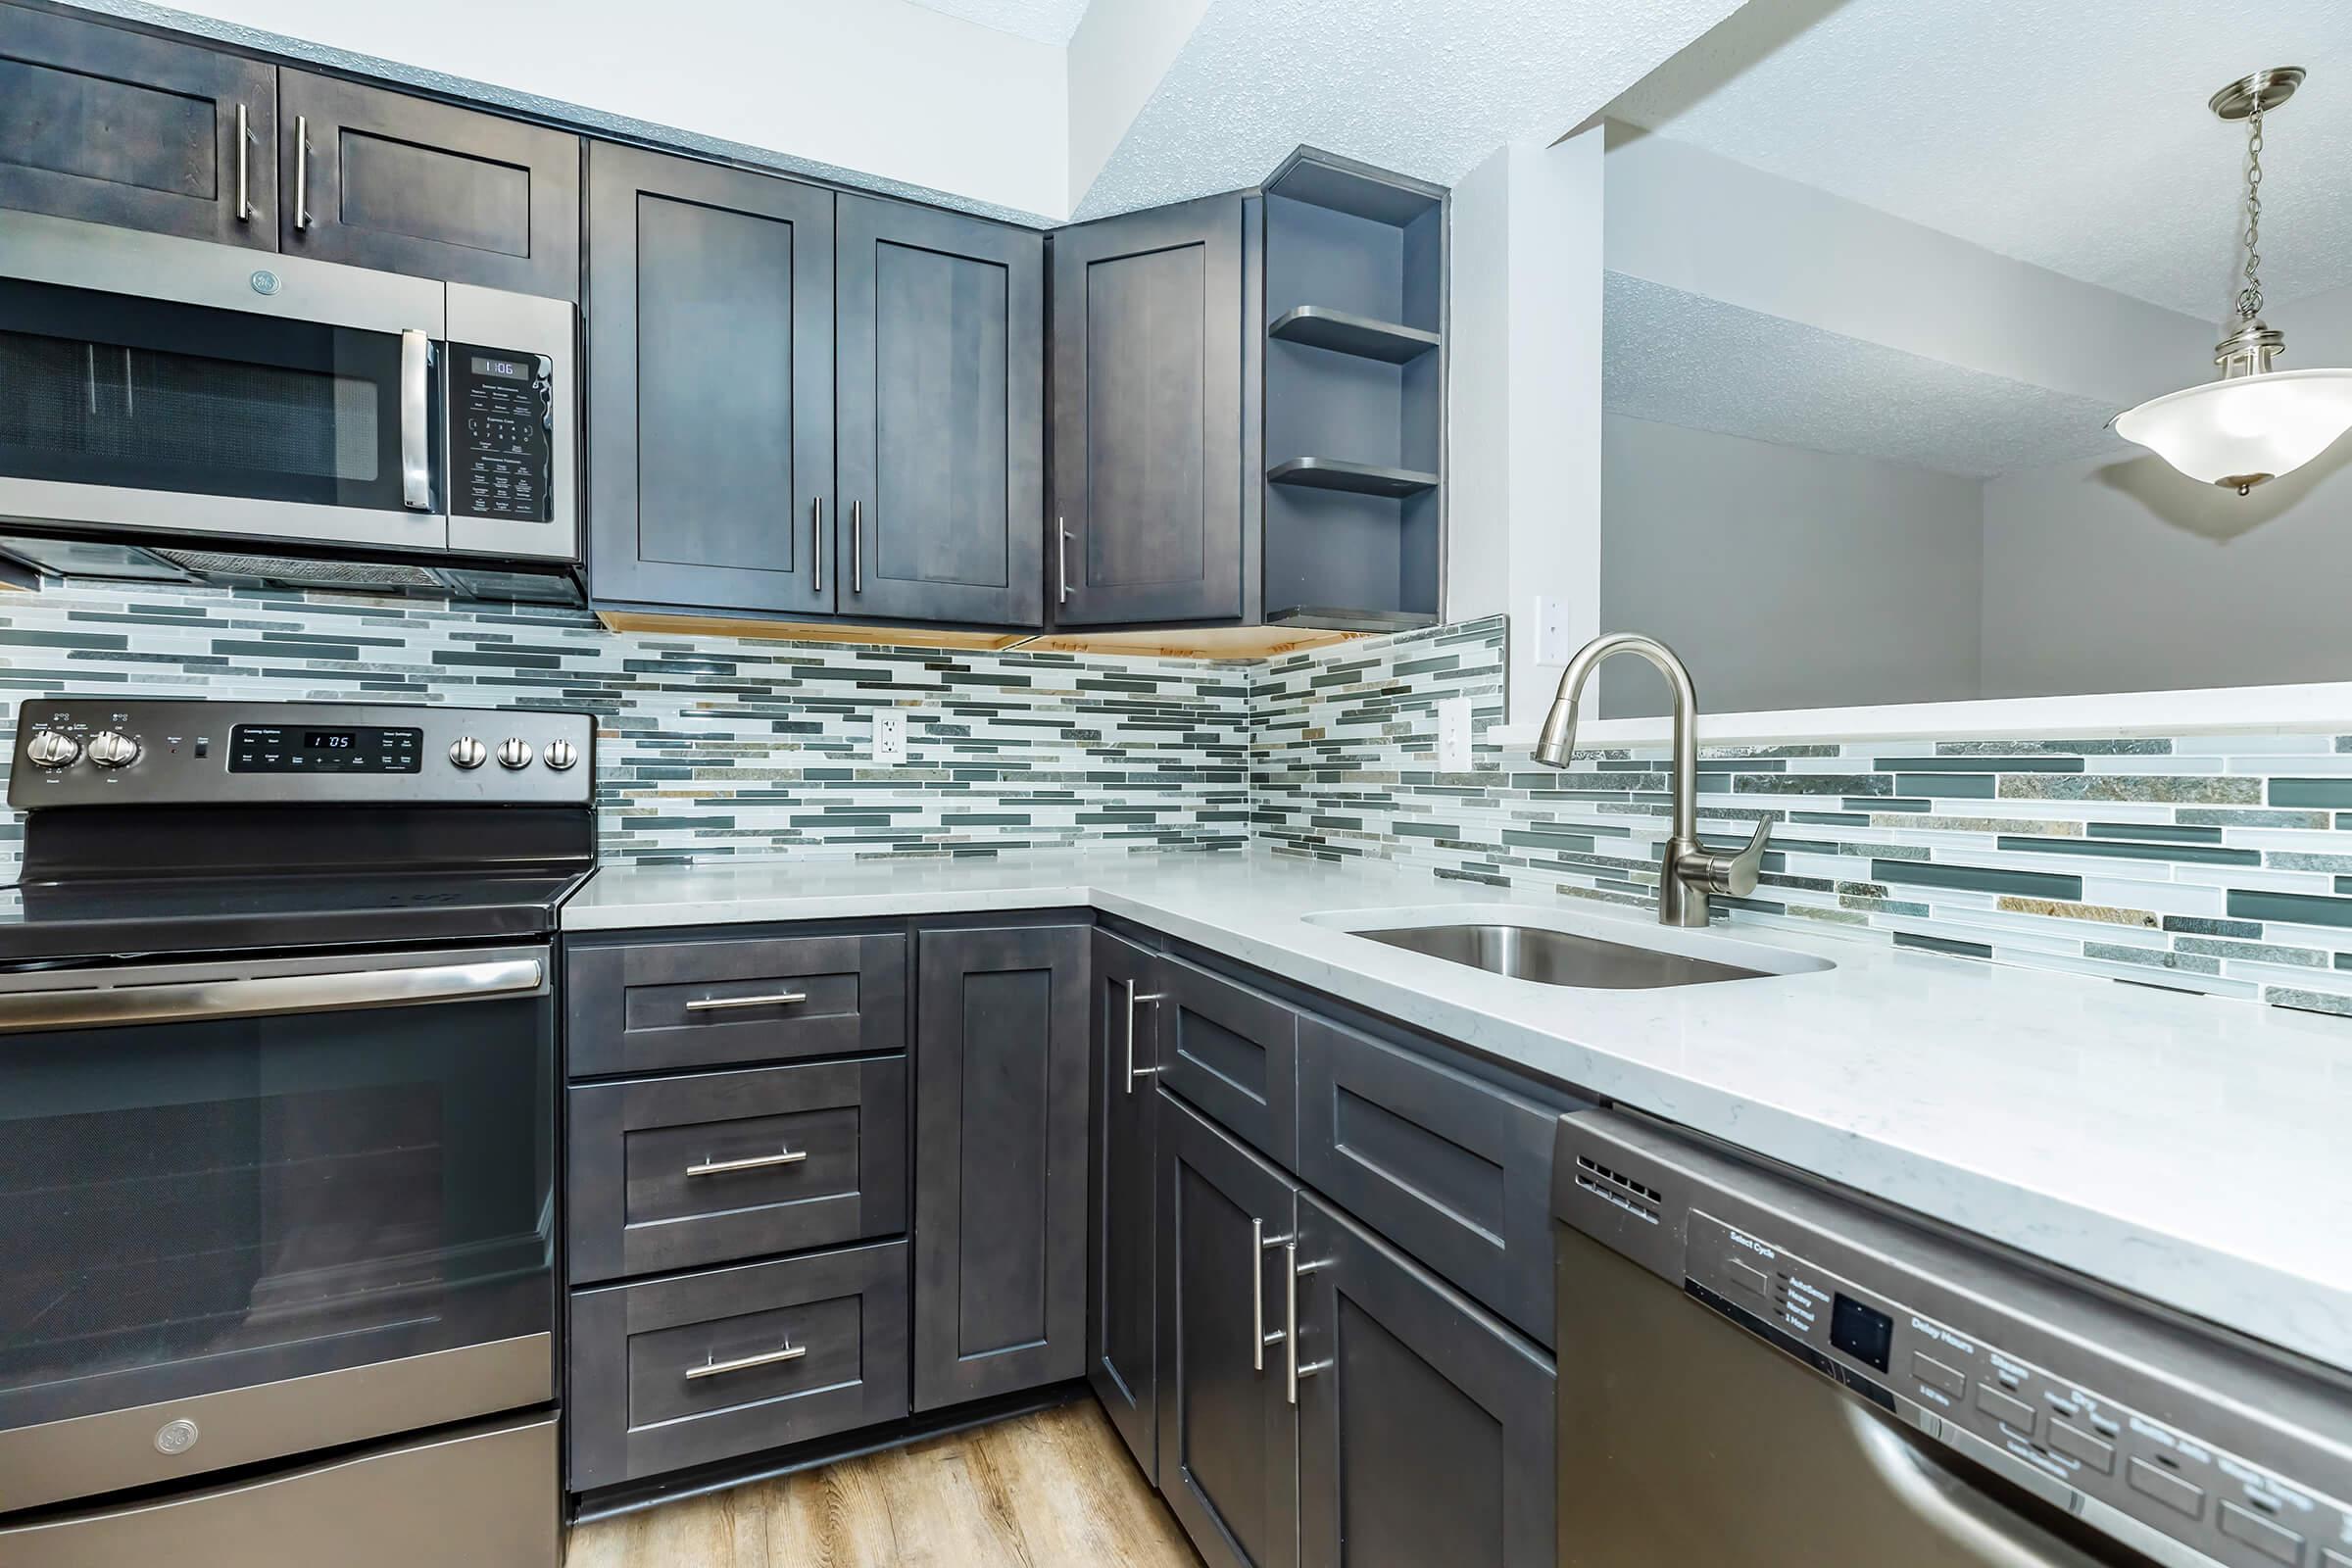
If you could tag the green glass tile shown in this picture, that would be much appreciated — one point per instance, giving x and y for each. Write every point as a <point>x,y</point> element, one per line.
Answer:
<point>1947,786</point>
<point>1979,879</point>
<point>2202,853</point>
<point>2299,909</point>
<point>1864,803</point>
<point>1831,818</point>
<point>1965,950</point>
<point>2156,830</point>
<point>2308,1000</point>
<point>1980,765</point>
<point>2323,792</point>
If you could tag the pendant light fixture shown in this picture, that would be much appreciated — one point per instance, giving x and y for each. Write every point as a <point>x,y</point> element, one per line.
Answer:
<point>2254,424</point>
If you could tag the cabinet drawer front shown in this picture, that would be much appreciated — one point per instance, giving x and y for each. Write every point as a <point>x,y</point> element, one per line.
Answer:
<point>684,1371</point>
<point>1232,1051</point>
<point>671,1173</point>
<point>1453,1169</point>
<point>647,1008</point>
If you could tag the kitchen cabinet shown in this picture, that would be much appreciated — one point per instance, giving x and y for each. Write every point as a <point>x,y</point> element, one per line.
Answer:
<point>941,409</point>
<point>1228,1429</point>
<point>1122,1181</point>
<point>999,1180</point>
<point>379,178</point>
<point>1425,1428</point>
<point>114,126</point>
<point>1147,417</point>
<point>710,386</point>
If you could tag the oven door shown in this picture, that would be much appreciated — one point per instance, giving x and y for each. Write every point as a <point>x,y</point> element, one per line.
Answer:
<point>154,383</point>
<point>265,1208</point>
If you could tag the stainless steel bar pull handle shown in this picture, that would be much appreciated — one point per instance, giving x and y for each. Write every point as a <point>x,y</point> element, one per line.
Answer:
<point>415,441</point>
<point>1294,1268</point>
<point>857,547</point>
<point>1134,999</point>
<point>817,544</point>
<point>244,163</point>
<point>1061,562</point>
<point>728,1167</point>
<point>744,1363</point>
<point>302,173</point>
<point>778,999</point>
<point>1259,1245</point>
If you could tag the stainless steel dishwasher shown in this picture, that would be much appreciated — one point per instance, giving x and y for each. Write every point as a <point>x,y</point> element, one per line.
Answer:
<point>1757,1370</point>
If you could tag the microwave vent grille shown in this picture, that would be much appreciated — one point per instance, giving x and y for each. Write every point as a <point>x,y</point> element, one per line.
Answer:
<point>302,572</point>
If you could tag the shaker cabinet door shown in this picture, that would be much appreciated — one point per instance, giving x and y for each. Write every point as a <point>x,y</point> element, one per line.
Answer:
<point>999,1160</point>
<point>1148,481</point>
<point>709,317</point>
<point>378,178</point>
<point>112,127</point>
<point>940,401</point>
<point>1123,1178</point>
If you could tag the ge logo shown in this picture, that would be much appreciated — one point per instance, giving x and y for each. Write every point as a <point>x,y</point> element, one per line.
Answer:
<point>264,281</point>
<point>175,1437</point>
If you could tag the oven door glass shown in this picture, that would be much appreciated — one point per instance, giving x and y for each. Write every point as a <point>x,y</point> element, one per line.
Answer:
<point>139,394</point>
<point>213,1203</point>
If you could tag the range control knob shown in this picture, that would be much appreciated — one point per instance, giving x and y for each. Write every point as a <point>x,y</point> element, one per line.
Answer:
<point>111,749</point>
<point>50,749</point>
<point>468,752</point>
<point>514,752</point>
<point>561,754</point>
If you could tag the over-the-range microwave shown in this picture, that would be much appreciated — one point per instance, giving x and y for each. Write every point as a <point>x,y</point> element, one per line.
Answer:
<point>170,405</point>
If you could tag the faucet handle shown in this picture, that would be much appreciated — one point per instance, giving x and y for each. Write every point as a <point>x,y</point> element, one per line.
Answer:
<point>1733,874</point>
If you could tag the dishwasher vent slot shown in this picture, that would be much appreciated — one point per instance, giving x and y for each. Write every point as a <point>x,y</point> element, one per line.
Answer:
<point>1619,1189</point>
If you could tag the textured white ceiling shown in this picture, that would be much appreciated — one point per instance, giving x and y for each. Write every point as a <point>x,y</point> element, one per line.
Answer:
<point>1045,20</point>
<point>1426,87</point>
<point>1683,359</point>
<point>2072,136</point>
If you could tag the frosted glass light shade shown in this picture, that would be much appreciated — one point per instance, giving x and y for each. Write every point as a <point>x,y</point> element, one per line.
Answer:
<point>2246,429</point>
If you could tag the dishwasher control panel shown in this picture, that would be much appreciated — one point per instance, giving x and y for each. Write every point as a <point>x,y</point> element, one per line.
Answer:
<point>1959,1387</point>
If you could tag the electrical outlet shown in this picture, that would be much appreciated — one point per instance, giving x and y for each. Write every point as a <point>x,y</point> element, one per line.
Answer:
<point>1454,734</point>
<point>1552,645</point>
<point>890,736</point>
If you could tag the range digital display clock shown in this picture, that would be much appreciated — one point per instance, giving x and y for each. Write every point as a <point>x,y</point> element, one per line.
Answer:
<point>283,749</point>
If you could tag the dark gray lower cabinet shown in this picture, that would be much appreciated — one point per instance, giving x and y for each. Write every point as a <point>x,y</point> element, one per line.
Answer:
<point>1123,1179</point>
<point>1425,1427</point>
<point>1000,1189</point>
<point>1228,1431</point>
<point>112,127</point>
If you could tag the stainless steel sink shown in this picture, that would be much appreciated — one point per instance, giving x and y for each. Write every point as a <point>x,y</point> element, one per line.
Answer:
<point>1559,958</point>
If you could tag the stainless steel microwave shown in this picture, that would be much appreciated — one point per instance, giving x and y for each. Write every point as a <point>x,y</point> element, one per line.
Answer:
<point>158,392</point>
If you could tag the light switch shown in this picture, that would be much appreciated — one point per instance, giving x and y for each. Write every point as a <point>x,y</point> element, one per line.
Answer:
<point>1453,735</point>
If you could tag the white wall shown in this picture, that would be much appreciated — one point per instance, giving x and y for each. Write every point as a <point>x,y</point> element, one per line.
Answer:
<point>1524,397</point>
<point>880,88</point>
<point>1783,577</point>
<point>1121,50</point>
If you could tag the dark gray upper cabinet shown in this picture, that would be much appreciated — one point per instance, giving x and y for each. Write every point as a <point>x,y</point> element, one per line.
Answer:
<point>709,316</point>
<point>1000,1139</point>
<point>1228,1433</point>
<point>1425,1427</point>
<point>941,404</point>
<point>1122,1177</point>
<point>1147,417</point>
<point>113,127</point>
<point>381,179</point>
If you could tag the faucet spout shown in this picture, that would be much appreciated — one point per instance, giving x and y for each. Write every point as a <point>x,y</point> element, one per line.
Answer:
<point>1688,873</point>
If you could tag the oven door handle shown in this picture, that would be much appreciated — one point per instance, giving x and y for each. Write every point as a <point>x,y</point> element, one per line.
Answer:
<point>416,434</point>
<point>341,991</point>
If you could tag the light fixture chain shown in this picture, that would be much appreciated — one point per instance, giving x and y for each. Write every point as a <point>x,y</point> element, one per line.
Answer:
<point>2249,299</point>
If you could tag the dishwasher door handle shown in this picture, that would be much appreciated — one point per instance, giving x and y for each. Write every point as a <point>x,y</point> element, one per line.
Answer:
<point>1982,1529</point>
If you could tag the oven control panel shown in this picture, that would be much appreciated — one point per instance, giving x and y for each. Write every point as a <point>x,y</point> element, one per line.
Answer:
<point>127,751</point>
<point>502,425</point>
<point>2047,1426</point>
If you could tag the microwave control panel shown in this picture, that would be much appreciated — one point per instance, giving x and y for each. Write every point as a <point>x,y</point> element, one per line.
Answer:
<point>502,433</point>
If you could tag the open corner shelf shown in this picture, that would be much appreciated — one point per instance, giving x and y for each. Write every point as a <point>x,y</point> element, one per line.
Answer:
<point>1361,622</point>
<point>1355,478</point>
<point>1319,328</point>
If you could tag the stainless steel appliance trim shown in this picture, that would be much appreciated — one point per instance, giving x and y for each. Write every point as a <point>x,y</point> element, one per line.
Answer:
<point>728,1167</point>
<point>113,1449</point>
<point>527,324</point>
<point>779,998</point>
<point>123,1002</point>
<point>744,1363</point>
<point>42,249</point>
<point>168,512</point>
<point>487,1493</point>
<point>415,431</point>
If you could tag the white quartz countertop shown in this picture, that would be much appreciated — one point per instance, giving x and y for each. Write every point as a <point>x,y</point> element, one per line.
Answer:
<point>2195,1150</point>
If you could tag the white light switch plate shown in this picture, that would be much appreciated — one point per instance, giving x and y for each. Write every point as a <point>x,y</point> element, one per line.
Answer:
<point>1553,644</point>
<point>890,736</point>
<point>1454,734</point>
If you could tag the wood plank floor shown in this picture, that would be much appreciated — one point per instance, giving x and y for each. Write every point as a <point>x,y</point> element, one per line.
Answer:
<point>1038,1491</point>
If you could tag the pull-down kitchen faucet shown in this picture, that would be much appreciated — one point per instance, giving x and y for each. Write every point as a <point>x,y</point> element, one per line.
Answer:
<point>1690,871</point>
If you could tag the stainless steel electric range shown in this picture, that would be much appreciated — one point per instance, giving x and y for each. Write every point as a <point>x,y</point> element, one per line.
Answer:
<point>278,1132</point>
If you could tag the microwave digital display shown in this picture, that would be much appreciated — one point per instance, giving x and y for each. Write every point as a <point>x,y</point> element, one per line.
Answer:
<point>501,435</point>
<point>504,370</point>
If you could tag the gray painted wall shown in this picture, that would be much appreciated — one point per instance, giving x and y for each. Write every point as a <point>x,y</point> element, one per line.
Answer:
<point>1785,577</point>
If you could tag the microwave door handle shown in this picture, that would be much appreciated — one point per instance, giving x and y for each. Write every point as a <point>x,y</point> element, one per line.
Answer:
<point>415,438</point>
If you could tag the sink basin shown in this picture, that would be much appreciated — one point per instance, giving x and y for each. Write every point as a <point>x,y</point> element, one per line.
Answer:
<point>1559,958</point>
